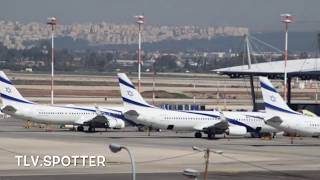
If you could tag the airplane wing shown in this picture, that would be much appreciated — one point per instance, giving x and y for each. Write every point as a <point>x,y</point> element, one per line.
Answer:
<point>102,119</point>
<point>219,127</point>
<point>222,125</point>
<point>98,119</point>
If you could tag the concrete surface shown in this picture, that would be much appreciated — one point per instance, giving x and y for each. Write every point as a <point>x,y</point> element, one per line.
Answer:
<point>166,153</point>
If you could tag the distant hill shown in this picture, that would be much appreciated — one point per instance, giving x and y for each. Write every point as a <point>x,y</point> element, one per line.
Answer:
<point>69,43</point>
<point>298,42</point>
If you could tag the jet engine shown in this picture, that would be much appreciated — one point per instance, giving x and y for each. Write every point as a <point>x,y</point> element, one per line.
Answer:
<point>115,123</point>
<point>236,131</point>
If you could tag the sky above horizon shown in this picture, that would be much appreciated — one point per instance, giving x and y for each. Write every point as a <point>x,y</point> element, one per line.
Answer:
<point>257,15</point>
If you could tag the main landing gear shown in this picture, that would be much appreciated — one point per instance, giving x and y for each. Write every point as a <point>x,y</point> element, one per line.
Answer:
<point>198,135</point>
<point>211,135</point>
<point>80,128</point>
<point>91,129</point>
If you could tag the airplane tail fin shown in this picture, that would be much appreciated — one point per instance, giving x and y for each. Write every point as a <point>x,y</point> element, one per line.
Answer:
<point>273,102</point>
<point>131,97</point>
<point>9,94</point>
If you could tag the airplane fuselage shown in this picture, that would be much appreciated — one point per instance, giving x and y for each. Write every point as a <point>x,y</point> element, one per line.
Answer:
<point>174,120</point>
<point>55,114</point>
<point>300,125</point>
<point>195,120</point>
<point>52,114</point>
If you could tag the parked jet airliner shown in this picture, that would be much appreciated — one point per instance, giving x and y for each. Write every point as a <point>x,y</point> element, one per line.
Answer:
<point>208,122</point>
<point>17,106</point>
<point>282,117</point>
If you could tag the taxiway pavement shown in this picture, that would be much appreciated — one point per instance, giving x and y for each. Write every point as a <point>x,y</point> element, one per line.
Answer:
<point>164,153</point>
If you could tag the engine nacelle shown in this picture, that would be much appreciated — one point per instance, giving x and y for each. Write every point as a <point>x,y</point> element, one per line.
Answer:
<point>236,131</point>
<point>116,123</point>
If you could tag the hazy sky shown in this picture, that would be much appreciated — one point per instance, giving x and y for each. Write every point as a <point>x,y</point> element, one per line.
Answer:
<point>258,15</point>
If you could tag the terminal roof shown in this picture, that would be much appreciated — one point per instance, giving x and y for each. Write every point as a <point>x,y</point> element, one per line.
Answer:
<point>302,68</point>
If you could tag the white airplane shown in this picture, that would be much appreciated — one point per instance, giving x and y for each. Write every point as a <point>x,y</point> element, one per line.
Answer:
<point>93,117</point>
<point>282,117</point>
<point>208,122</point>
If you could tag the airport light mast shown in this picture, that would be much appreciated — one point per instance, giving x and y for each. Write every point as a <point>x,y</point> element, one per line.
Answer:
<point>52,21</point>
<point>286,19</point>
<point>140,22</point>
<point>116,148</point>
<point>206,157</point>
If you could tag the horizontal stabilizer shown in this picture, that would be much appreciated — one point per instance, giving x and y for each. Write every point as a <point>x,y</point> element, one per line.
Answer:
<point>9,109</point>
<point>274,120</point>
<point>131,114</point>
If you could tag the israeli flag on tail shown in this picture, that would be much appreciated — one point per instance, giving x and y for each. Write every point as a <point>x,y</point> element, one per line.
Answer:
<point>132,99</point>
<point>9,94</point>
<point>274,103</point>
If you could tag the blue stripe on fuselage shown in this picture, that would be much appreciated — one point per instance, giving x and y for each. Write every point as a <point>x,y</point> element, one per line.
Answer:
<point>238,123</point>
<point>115,115</point>
<point>202,114</point>
<point>77,108</point>
<point>113,110</point>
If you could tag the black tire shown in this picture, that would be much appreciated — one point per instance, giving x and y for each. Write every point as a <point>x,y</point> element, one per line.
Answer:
<point>198,135</point>
<point>255,135</point>
<point>80,128</point>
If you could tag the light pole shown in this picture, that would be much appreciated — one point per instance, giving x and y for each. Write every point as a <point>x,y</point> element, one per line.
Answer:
<point>116,148</point>
<point>52,21</point>
<point>286,19</point>
<point>194,91</point>
<point>154,82</point>
<point>206,157</point>
<point>140,22</point>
